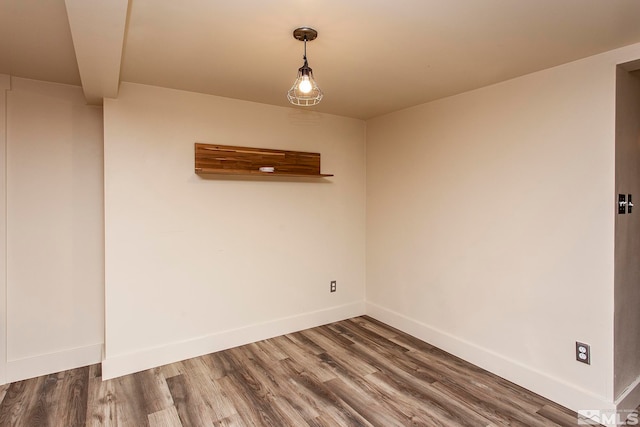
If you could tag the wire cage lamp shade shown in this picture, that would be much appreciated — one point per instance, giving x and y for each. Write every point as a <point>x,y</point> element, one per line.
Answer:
<point>305,91</point>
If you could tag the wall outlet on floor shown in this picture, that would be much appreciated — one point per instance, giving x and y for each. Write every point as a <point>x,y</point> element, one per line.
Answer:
<point>333,286</point>
<point>583,353</point>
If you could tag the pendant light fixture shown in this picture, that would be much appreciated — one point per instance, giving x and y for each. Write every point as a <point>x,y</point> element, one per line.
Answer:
<point>305,91</point>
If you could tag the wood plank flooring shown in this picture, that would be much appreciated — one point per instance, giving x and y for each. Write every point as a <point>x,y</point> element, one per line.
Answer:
<point>357,372</point>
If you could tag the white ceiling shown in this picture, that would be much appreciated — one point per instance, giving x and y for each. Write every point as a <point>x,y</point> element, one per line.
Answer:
<point>371,56</point>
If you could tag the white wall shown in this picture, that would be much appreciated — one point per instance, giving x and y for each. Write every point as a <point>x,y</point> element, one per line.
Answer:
<point>54,229</point>
<point>627,233</point>
<point>490,220</point>
<point>195,265</point>
<point>5,85</point>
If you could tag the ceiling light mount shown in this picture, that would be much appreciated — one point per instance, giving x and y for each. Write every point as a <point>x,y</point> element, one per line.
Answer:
<point>305,91</point>
<point>305,34</point>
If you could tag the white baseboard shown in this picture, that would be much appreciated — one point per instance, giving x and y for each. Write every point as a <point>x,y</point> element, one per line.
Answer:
<point>22,369</point>
<point>555,389</point>
<point>629,399</point>
<point>116,366</point>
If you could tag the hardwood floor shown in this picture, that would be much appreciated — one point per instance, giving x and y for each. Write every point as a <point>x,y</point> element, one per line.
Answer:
<point>356,372</point>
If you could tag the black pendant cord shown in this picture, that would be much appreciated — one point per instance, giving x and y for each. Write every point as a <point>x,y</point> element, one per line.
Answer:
<point>305,49</point>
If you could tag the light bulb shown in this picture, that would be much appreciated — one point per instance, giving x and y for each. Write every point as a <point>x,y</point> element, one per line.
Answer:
<point>305,85</point>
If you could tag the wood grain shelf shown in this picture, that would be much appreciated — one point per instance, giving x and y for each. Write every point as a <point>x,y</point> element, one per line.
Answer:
<point>213,159</point>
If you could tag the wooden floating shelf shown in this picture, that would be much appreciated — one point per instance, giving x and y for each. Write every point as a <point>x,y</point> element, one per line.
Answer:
<point>213,159</point>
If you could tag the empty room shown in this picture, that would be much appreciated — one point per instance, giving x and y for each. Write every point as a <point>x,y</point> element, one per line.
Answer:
<point>335,213</point>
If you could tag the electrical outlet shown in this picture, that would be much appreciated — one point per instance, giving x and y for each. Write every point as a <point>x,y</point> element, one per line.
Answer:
<point>583,353</point>
<point>333,286</point>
